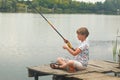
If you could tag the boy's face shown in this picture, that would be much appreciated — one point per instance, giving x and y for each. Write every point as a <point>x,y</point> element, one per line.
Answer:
<point>80,37</point>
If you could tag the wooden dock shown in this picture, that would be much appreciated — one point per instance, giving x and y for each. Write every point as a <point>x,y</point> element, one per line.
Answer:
<point>95,71</point>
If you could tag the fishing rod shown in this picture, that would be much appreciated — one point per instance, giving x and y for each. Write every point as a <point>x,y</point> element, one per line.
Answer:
<point>65,40</point>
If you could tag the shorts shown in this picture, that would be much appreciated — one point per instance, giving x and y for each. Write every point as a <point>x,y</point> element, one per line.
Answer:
<point>76,64</point>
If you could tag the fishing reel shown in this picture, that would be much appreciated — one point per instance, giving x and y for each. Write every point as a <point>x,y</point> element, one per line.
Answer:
<point>69,44</point>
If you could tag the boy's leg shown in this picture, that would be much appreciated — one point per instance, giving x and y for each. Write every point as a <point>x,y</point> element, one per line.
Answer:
<point>69,66</point>
<point>65,63</point>
<point>61,61</point>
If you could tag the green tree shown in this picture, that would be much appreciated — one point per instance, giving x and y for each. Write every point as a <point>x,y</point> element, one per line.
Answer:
<point>99,6</point>
<point>61,6</point>
<point>112,5</point>
<point>3,5</point>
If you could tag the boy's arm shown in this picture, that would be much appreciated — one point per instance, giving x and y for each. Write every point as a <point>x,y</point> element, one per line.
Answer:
<point>71,51</point>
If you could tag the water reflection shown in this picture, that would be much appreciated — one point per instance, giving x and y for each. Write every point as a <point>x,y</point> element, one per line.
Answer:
<point>27,40</point>
<point>63,78</point>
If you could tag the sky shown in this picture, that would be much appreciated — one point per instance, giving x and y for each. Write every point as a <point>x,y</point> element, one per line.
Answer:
<point>91,0</point>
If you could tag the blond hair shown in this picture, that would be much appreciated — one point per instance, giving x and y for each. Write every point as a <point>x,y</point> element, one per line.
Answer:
<point>83,31</point>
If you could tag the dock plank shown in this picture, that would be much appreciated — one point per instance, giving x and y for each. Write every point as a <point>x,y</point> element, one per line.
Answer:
<point>105,65</point>
<point>94,66</point>
<point>92,72</point>
<point>45,69</point>
<point>94,76</point>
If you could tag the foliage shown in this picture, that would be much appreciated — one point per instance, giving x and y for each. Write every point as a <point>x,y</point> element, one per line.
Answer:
<point>61,6</point>
<point>8,5</point>
<point>115,50</point>
<point>115,47</point>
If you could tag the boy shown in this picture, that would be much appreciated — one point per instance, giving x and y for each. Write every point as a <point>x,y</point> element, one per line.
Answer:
<point>81,54</point>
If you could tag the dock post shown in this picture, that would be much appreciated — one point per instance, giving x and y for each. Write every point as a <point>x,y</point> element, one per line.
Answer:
<point>35,76</point>
<point>115,74</point>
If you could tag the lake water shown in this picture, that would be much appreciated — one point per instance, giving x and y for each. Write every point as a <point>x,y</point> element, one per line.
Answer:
<point>28,40</point>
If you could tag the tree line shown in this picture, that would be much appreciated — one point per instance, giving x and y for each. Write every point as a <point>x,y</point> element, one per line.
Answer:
<point>61,6</point>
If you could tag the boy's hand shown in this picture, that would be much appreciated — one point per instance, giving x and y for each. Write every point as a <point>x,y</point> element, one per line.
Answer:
<point>66,41</point>
<point>65,46</point>
<point>68,45</point>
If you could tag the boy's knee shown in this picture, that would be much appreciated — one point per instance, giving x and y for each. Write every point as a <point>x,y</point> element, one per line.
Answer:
<point>71,62</point>
<point>59,59</point>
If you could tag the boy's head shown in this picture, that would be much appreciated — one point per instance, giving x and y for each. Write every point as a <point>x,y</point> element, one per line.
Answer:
<point>83,31</point>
